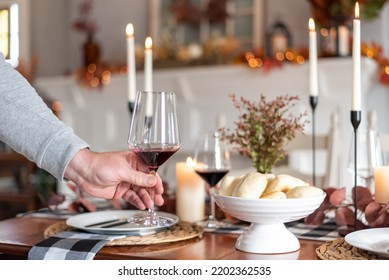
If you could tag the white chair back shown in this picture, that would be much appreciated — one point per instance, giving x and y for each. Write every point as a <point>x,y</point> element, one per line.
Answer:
<point>327,156</point>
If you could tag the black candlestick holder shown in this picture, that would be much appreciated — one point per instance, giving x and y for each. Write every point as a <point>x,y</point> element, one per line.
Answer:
<point>355,121</point>
<point>313,100</point>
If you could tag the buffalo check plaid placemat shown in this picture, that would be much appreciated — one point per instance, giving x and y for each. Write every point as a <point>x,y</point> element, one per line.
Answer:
<point>70,245</point>
<point>324,232</point>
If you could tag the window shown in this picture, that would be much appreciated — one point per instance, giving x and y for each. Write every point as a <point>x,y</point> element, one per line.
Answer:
<point>4,32</point>
<point>189,21</point>
<point>9,33</point>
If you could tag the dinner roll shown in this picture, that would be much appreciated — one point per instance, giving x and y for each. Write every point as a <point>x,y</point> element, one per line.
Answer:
<point>283,183</point>
<point>274,195</point>
<point>251,185</point>
<point>304,191</point>
<point>228,184</point>
<point>270,178</point>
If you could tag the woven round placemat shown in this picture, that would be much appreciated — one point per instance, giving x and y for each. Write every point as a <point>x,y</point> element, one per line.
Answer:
<point>179,232</point>
<point>339,249</point>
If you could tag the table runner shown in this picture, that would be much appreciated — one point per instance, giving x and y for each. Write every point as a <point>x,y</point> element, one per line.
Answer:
<point>75,245</point>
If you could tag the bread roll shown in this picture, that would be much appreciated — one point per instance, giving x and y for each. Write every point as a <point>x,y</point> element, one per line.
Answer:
<point>251,185</point>
<point>228,184</point>
<point>284,183</point>
<point>270,178</point>
<point>304,191</point>
<point>274,195</point>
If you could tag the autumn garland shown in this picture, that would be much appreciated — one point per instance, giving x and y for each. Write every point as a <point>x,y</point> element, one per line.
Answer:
<point>369,213</point>
<point>326,12</point>
<point>298,56</point>
<point>375,52</point>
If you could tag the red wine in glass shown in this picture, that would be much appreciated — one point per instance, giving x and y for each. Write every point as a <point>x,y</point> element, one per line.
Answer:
<point>212,177</point>
<point>154,158</point>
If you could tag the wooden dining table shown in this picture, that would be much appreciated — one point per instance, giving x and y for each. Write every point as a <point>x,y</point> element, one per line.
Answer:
<point>18,235</point>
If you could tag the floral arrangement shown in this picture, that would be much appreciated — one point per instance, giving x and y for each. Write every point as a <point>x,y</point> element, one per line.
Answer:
<point>369,213</point>
<point>84,22</point>
<point>264,128</point>
<point>326,12</point>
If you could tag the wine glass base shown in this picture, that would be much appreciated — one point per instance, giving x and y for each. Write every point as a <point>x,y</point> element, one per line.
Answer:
<point>214,224</point>
<point>150,220</point>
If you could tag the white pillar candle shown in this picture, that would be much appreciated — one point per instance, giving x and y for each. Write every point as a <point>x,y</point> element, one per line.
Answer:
<point>190,193</point>
<point>313,74</point>
<point>381,184</point>
<point>131,70</point>
<point>356,94</point>
<point>148,74</point>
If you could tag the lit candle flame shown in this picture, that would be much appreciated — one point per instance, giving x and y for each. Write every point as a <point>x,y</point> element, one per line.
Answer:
<point>311,24</point>
<point>129,30</point>
<point>148,43</point>
<point>357,10</point>
<point>189,162</point>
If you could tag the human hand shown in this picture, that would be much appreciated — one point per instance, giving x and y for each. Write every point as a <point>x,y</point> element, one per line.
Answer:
<point>113,175</point>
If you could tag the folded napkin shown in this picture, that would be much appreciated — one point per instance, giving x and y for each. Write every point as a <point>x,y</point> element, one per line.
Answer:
<point>70,245</point>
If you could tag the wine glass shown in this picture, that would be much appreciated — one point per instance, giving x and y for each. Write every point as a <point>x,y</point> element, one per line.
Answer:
<point>369,156</point>
<point>212,163</point>
<point>154,137</point>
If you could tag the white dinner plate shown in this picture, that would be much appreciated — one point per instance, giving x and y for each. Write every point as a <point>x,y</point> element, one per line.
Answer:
<point>375,240</point>
<point>83,222</point>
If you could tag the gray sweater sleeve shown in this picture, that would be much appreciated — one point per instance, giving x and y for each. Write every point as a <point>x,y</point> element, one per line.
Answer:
<point>29,127</point>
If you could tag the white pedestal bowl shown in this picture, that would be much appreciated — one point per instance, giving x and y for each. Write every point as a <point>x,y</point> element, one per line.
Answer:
<point>267,233</point>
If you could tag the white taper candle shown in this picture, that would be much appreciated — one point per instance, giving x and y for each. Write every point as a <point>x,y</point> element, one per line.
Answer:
<point>356,94</point>
<point>313,72</point>
<point>148,74</point>
<point>131,70</point>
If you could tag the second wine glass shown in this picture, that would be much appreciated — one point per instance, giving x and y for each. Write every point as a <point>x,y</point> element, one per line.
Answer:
<point>212,163</point>
<point>369,156</point>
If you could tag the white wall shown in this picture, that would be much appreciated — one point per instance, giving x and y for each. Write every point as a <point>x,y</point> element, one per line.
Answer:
<point>377,30</point>
<point>58,46</point>
<point>49,40</point>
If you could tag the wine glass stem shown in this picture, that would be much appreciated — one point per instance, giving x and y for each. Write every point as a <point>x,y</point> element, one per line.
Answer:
<point>152,194</point>
<point>150,211</point>
<point>212,216</point>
